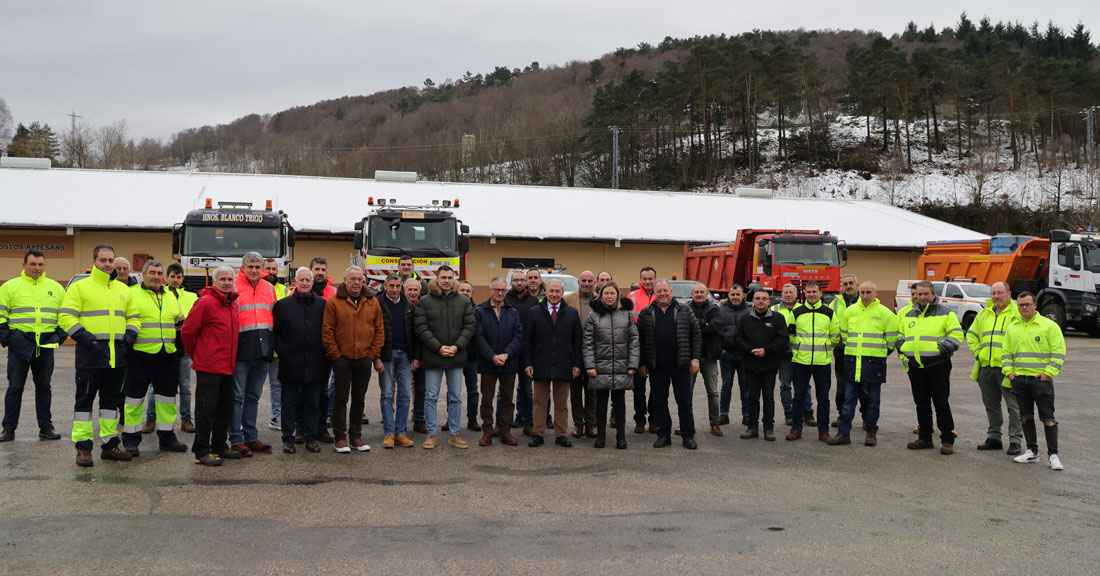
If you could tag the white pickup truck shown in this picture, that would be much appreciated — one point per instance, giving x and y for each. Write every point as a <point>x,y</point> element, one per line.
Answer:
<point>963,297</point>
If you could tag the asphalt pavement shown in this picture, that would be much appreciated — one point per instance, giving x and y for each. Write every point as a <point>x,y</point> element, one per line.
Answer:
<point>732,506</point>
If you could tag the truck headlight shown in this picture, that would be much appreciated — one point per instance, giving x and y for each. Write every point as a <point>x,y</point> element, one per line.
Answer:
<point>1091,308</point>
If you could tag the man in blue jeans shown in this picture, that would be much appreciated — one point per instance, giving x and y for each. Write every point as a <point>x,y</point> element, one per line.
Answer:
<point>256,300</point>
<point>444,325</point>
<point>730,363</point>
<point>399,356</point>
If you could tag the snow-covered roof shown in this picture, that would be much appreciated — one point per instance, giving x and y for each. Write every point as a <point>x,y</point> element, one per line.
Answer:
<point>128,199</point>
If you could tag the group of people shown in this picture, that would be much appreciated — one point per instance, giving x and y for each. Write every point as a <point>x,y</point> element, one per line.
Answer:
<point>529,346</point>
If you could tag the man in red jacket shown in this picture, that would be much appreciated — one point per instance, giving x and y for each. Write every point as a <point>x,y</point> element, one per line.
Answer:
<point>210,336</point>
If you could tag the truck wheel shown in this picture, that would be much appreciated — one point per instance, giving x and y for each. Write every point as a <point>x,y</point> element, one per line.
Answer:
<point>967,320</point>
<point>1055,312</point>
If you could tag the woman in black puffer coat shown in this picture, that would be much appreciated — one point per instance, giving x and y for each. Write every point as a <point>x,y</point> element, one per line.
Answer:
<point>611,353</point>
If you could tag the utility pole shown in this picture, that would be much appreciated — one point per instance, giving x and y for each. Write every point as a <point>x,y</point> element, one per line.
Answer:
<point>72,115</point>
<point>72,135</point>
<point>614,157</point>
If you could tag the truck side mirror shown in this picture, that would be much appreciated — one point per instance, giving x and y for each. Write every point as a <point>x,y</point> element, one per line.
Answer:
<point>176,233</point>
<point>844,253</point>
<point>358,240</point>
<point>465,229</point>
<point>359,225</point>
<point>465,243</point>
<point>290,237</point>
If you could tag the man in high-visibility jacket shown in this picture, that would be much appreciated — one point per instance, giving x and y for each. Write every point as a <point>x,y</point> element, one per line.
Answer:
<point>271,275</point>
<point>849,295</point>
<point>1034,352</point>
<point>153,360</point>
<point>786,305</point>
<point>641,298</point>
<point>928,334</point>
<point>186,300</point>
<point>99,314</point>
<point>29,306</point>
<point>255,347</point>
<point>869,332</point>
<point>814,334</point>
<point>985,338</point>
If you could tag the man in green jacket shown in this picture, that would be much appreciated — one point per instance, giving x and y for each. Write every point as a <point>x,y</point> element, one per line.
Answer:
<point>985,338</point>
<point>1034,352</point>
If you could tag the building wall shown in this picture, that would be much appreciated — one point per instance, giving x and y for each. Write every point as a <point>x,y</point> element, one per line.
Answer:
<point>884,267</point>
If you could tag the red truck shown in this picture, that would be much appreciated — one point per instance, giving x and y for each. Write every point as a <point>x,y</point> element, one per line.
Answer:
<point>770,258</point>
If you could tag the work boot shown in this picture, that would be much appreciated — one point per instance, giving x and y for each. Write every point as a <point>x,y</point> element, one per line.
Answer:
<point>506,438</point>
<point>769,435</point>
<point>173,446</point>
<point>289,448</point>
<point>48,433</point>
<point>387,442</point>
<point>990,444</point>
<point>808,419</point>
<point>601,438</point>
<point>420,428</point>
<point>188,425</point>
<point>787,417</point>
<point>871,439</point>
<point>750,432</point>
<point>578,432</point>
<point>639,429</point>
<point>84,458</point>
<point>947,449</point>
<point>840,440</point>
<point>259,447</point>
<point>724,420</point>
<point>528,430</point>
<point>299,437</point>
<point>133,450</point>
<point>486,438</point>
<point>473,425</point>
<point>429,442</point>
<point>403,441</point>
<point>716,430</point>
<point>211,460</point>
<point>149,426</point>
<point>7,435</point>
<point>823,436</point>
<point>794,434</point>
<point>323,435</point>
<point>590,431</point>
<point>116,453</point>
<point>920,445</point>
<point>620,437</point>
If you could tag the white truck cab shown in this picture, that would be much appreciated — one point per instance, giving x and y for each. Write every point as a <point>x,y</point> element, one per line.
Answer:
<point>964,297</point>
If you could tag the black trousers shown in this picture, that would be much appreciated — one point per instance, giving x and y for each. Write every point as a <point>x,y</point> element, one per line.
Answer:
<point>932,387</point>
<point>352,378</point>
<point>618,408</point>
<point>660,379</point>
<point>304,396</point>
<point>761,384</point>
<point>41,366</point>
<point>214,396</point>
<point>1033,394</point>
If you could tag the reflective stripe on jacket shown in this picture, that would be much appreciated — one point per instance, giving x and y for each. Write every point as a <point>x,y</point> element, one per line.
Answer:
<point>1034,347</point>
<point>816,330</point>
<point>159,313</point>
<point>986,335</point>
<point>928,336</point>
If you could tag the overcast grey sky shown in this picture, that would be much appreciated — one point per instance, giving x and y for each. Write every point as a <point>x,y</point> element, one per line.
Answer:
<point>164,67</point>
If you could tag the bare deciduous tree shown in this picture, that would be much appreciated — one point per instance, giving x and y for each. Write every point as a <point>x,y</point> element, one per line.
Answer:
<point>7,124</point>
<point>78,145</point>
<point>111,141</point>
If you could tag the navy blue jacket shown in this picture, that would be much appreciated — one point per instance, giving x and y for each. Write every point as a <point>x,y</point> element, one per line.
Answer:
<point>492,337</point>
<point>553,350</point>
<point>298,319</point>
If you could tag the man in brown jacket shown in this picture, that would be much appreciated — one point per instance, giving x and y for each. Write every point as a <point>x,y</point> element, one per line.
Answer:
<point>353,333</point>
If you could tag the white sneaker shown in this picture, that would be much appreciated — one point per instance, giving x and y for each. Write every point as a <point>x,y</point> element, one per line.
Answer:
<point>275,424</point>
<point>1056,462</point>
<point>1026,457</point>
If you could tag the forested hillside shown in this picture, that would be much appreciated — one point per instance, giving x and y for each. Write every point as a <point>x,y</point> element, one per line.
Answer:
<point>768,108</point>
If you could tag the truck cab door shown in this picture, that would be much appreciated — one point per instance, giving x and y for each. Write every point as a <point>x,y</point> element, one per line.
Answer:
<point>1067,270</point>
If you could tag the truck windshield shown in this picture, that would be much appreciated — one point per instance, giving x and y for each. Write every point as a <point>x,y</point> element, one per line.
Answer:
<point>797,253</point>
<point>227,241</point>
<point>414,237</point>
<point>1092,256</point>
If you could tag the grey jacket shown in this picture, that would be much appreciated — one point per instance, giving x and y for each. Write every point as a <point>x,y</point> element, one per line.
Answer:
<point>611,345</point>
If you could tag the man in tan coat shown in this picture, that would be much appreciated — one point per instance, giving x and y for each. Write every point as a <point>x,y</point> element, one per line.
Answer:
<point>353,334</point>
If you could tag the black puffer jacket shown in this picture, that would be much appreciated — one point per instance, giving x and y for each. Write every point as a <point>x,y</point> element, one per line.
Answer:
<point>710,327</point>
<point>297,335</point>
<point>443,320</point>
<point>727,319</point>
<point>611,345</point>
<point>769,333</point>
<point>689,341</point>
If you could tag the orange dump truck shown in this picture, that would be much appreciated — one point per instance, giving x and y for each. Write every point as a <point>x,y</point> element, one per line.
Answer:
<point>1062,271</point>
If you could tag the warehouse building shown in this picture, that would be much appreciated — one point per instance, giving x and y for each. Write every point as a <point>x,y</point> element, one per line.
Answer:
<point>65,213</point>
